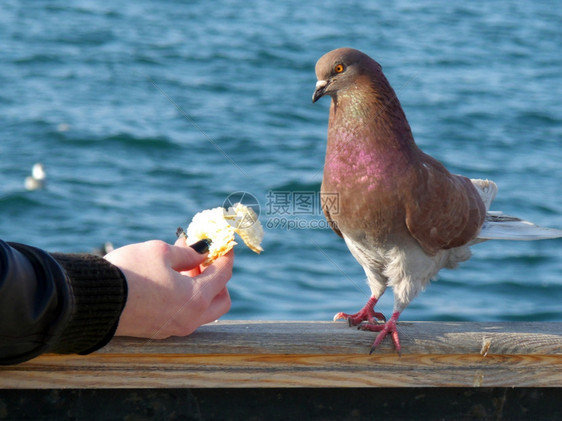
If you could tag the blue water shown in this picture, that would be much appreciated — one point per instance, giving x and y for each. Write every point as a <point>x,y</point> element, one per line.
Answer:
<point>145,113</point>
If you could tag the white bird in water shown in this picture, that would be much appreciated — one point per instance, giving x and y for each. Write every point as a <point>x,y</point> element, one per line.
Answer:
<point>37,179</point>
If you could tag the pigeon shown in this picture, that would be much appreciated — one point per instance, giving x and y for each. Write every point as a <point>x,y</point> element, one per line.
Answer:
<point>401,213</point>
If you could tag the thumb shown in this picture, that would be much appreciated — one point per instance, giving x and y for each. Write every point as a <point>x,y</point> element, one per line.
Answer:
<point>182,257</point>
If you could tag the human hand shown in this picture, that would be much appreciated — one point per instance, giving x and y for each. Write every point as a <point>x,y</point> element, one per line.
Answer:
<point>170,293</point>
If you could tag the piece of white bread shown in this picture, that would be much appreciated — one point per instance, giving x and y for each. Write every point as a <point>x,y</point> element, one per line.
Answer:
<point>219,225</point>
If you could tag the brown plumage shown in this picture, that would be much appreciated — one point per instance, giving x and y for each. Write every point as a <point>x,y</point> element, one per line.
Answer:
<point>401,213</point>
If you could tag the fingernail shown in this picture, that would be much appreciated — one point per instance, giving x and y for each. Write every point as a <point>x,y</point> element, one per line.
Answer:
<point>201,246</point>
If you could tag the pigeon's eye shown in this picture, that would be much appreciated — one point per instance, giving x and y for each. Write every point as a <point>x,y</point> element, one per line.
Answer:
<point>339,68</point>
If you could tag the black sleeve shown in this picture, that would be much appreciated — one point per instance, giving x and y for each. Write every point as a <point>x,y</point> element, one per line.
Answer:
<point>63,303</point>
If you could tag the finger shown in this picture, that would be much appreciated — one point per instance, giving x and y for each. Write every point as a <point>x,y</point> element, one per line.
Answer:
<point>193,272</point>
<point>182,258</point>
<point>215,277</point>
<point>181,242</point>
<point>200,269</point>
<point>218,307</point>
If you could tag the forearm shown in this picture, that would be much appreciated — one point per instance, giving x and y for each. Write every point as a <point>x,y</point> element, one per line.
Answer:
<point>57,303</point>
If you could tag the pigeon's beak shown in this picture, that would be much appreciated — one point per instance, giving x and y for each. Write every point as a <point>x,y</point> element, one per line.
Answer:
<point>320,90</point>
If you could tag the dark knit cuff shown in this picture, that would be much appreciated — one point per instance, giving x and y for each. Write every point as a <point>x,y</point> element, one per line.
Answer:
<point>99,291</point>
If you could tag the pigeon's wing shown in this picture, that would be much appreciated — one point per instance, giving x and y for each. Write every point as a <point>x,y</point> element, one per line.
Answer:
<point>442,210</point>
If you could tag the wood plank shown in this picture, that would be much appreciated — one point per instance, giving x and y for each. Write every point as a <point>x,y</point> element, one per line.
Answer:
<point>226,337</point>
<point>311,354</point>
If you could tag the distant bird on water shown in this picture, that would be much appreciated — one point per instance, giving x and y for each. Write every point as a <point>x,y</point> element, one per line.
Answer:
<point>105,248</point>
<point>37,179</point>
<point>402,215</point>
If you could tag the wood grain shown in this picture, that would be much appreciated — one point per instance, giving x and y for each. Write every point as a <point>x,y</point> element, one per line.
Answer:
<point>310,354</point>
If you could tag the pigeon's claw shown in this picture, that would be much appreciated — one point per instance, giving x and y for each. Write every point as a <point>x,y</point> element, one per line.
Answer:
<point>384,329</point>
<point>360,317</point>
<point>344,316</point>
<point>366,314</point>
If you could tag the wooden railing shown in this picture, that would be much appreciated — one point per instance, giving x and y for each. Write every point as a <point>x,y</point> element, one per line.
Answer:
<point>255,354</point>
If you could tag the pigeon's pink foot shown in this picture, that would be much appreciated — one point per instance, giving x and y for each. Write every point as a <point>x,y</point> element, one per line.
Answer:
<point>366,314</point>
<point>384,329</point>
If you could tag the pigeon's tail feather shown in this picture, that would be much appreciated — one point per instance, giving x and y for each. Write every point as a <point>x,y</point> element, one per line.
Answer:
<point>487,190</point>
<point>499,226</point>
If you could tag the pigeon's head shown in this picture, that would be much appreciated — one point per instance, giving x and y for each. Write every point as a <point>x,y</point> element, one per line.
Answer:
<point>341,69</point>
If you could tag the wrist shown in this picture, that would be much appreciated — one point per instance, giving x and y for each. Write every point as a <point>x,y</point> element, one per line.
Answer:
<point>98,292</point>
